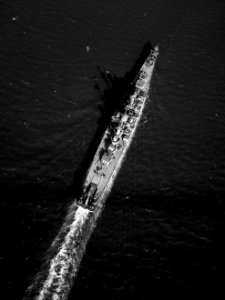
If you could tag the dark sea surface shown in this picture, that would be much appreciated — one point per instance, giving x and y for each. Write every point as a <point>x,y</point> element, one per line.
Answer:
<point>162,230</point>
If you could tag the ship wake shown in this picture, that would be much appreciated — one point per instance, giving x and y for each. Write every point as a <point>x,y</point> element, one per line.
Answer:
<point>64,256</point>
<point>56,277</point>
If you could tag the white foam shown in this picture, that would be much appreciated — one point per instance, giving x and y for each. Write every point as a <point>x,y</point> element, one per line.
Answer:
<point>64,265</point>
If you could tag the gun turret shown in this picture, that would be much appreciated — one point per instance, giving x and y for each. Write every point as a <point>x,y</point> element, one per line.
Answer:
<point>88,199</point>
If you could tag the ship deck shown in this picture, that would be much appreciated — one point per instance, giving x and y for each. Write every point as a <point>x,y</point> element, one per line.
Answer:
<point>102,180</point>
<point>109,171</point>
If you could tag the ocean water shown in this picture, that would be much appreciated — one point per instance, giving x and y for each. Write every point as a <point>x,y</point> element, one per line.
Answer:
<point>162,230</point>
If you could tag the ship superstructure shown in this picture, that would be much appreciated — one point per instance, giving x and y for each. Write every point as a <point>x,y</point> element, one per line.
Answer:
<point>117,137</point>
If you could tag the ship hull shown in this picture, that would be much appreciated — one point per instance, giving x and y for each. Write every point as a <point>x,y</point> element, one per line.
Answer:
<point>115,143</point>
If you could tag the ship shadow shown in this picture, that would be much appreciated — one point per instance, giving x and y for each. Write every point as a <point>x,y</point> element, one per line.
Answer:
<point>111,97</point>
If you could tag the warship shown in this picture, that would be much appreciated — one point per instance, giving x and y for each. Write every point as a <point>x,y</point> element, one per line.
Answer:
<point>118,136</point>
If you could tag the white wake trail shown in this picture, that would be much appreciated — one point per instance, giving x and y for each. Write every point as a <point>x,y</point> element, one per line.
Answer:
<point>65,261</point>
<point>55,280</point>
